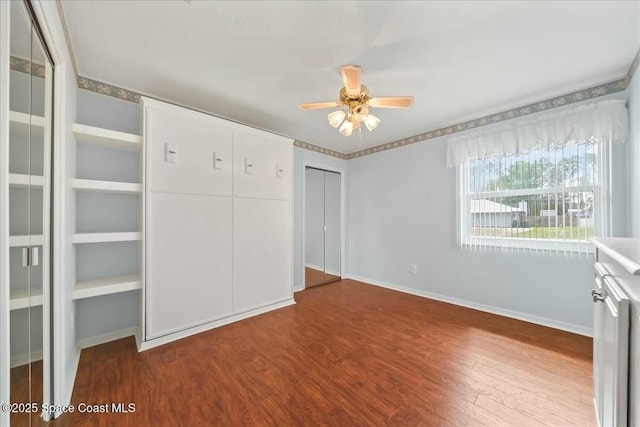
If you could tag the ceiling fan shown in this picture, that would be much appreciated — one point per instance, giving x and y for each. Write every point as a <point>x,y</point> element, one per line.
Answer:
<point>355,97</point>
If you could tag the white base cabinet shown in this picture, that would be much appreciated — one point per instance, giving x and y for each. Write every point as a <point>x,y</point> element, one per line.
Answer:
<point>616,339</point>
<point>218,240</point>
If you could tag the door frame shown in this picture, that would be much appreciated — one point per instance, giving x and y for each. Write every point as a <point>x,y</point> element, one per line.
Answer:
<point>342,173</point>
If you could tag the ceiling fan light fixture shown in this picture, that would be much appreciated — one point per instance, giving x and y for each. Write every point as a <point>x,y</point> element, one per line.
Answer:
<point>371,122</point>
<point>346,128</point>
<point>336,117</point>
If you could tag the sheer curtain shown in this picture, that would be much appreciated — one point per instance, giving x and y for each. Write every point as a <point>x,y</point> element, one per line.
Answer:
<point>606,121</point>
<point>539,184</point>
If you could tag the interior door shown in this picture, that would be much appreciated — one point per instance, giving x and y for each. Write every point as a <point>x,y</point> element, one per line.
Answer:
<point>323,226</point>
<point>314,227</point>
<point>332,226</point>
<point>30,93</point>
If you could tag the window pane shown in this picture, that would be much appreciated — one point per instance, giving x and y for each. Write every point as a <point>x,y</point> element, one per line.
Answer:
<point>544,195</point>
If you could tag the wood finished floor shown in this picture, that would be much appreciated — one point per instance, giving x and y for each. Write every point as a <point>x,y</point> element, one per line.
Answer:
<point>313,277</point>
<point>19,392</point>
<point>347,354</point>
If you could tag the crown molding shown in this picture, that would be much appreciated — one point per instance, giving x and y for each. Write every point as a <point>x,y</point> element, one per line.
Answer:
<point>581,95</point>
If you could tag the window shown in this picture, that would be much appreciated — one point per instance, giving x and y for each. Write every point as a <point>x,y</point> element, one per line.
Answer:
<point>543,199</point>
<point>538,185</point>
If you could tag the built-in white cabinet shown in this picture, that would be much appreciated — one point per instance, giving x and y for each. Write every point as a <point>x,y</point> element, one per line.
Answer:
<point>261,253</point>
<point>616,343</point>
<point>218,241</point>
<point>261,165</point>
<point>189,275</point>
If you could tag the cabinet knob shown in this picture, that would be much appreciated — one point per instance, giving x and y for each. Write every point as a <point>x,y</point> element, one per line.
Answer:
<point>597,296</point>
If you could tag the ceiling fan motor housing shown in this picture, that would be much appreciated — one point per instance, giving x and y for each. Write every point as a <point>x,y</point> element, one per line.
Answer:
<point>355,102</point>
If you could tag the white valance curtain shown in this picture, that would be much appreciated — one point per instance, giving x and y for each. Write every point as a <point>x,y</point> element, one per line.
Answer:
<point>597,122</point>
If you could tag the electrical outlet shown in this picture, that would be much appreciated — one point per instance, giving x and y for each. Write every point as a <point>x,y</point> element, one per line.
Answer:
<point>414,268</point>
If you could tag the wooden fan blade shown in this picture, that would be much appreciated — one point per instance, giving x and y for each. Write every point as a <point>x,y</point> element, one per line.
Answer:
<point>392,102</point>
<point>315,105</point>
<point>351,78</point>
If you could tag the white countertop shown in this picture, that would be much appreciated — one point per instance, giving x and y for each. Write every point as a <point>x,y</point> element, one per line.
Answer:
<point>624,250</point>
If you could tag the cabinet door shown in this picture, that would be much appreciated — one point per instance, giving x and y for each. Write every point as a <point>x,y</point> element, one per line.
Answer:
<point>598,340</point>
<point>262,253</point>
<point>188,268</point>
<point>187,152</point>
<point>615,337</point>
<point>262,165</point>
<point>634,367</point>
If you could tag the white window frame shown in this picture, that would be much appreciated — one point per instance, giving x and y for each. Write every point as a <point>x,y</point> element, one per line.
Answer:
<point>601,212</point>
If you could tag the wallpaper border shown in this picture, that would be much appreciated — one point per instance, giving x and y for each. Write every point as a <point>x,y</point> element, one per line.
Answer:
<point>581,95</point>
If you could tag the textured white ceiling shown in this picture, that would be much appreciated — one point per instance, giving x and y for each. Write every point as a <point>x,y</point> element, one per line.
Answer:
<point>254,62</point>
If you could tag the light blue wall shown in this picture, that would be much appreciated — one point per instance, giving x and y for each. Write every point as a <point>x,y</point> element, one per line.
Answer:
<point>634,154</point>
<point>402,211</point>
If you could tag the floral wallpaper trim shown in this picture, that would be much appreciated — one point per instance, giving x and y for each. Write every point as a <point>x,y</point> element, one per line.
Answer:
<point>548,104</point>
<point>632,69</point>
<point>107,89</point>
<point>317,149</point>
<point>605,89</point>
<point>25,66</point>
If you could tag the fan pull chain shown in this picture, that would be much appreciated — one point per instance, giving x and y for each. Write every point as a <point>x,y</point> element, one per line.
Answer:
<point>360,136</point>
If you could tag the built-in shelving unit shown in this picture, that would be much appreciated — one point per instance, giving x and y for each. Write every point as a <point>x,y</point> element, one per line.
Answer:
<point>111,285</point>
<point>19,298</point>
<point>106,186</point>
<point>32,240</point>
<point>18,180</point>
<point>106,137</point>
<point>108,207</point>
<point>20,122</point>
<point>106,237</point>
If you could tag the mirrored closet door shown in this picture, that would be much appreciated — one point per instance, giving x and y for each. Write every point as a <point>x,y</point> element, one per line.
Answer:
<point>30,100</point>
<point>323,230</point>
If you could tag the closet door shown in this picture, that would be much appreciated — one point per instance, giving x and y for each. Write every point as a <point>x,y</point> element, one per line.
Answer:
<point>314,258</point>
<point>333,229</point>
<point>188,219</point>
<point>28,210</point>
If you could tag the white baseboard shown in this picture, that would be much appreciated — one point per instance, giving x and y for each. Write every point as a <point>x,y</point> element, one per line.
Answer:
<point>24,358</point>
<point>155,342</point>
<point>298,289</point>
<point>71,380</point>
<point>551,323</point>
<point>105,338</point>
<point>315,267</point>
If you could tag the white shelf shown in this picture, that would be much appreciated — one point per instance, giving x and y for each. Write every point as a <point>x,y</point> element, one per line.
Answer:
<point>20,299</point>
<point>106,138</point>
<point>19,123</point>
<point>105,237</point>
<point>111,285</point>
<point>106,186</point>
<point>18,180</point>
<point>26,240</point>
